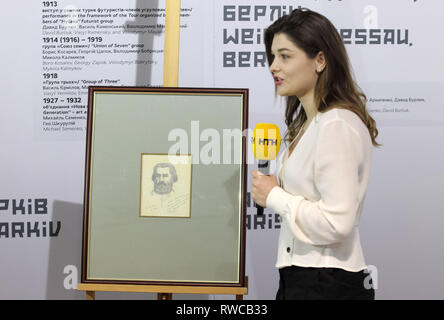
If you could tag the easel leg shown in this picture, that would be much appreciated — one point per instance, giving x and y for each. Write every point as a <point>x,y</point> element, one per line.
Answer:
<point>90,295</point>
<point>164,296</point>
<point>241,296</point>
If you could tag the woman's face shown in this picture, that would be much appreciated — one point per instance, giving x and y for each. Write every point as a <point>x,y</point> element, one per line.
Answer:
<point>293,71</point>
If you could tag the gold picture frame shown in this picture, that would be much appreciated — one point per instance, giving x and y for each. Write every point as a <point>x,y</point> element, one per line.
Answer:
<point>203,245</point>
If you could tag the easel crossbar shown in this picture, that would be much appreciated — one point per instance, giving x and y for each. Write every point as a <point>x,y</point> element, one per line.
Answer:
<point>92,287</point>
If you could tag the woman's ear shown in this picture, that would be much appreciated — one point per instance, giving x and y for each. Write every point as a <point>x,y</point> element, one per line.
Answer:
<point>320,62</point>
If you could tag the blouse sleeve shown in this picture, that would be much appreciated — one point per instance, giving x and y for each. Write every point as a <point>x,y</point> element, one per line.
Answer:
<point>336,177</point>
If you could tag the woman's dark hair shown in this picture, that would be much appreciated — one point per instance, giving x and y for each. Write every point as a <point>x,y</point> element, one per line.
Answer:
<point>335,87</point>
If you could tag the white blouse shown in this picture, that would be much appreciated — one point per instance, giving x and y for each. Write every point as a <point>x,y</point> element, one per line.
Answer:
<point>321,195</point>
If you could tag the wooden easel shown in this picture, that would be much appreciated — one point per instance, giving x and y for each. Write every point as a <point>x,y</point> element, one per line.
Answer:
<point>170,79</point>
<point>163,292</point>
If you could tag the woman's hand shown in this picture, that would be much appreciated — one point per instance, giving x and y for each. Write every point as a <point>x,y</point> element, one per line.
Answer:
<point>261,186</point>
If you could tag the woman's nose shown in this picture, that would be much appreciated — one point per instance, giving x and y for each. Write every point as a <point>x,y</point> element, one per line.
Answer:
<point>274,67</point>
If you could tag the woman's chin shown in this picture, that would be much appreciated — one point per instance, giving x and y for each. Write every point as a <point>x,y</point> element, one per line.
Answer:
<point>282,92</point>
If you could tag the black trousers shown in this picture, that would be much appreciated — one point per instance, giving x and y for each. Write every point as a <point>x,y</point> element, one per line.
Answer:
<point>300,283</point>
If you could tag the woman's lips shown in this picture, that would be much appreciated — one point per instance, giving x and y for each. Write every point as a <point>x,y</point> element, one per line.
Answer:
<point>278,81</point>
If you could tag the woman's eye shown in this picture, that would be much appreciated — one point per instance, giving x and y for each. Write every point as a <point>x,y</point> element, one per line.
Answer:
<point>284,56</point>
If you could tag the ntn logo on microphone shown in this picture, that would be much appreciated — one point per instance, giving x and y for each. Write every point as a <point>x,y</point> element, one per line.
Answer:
<point>266,141</point>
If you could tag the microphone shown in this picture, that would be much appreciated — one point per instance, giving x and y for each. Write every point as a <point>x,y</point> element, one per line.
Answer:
<point>266,144</point>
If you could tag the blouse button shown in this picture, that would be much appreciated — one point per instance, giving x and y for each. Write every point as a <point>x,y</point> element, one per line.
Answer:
<point>288,249</point>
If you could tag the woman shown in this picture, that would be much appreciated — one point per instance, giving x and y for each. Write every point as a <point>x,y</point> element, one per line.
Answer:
<point>324,172</point>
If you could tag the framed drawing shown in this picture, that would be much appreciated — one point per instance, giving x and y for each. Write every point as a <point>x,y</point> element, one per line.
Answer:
<point>165,187</point>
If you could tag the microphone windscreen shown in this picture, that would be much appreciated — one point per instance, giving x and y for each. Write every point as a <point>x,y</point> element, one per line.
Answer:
<point>266,141</point>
